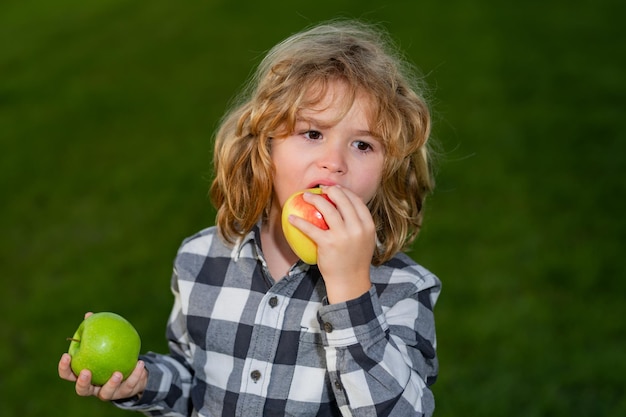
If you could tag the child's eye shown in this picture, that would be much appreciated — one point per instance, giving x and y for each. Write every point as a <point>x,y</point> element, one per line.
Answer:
<point>362,146</point>
<point>313,134</point>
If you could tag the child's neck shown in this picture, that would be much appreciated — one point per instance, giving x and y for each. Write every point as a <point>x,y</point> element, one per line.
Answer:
<point>278,255</point>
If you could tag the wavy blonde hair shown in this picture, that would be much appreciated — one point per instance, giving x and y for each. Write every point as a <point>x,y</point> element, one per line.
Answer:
<point>294,75</point>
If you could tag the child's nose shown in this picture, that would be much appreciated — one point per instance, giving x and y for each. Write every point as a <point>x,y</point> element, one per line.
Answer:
<point>333,159</point>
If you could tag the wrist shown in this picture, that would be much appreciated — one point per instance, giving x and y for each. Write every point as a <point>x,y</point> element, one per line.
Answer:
<point>345,291</point>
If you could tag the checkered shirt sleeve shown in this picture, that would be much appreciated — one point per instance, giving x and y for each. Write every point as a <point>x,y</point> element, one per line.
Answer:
<point>242,344</point>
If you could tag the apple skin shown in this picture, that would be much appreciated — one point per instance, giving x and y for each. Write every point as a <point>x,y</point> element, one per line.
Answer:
<point>300,243</point>
<point>104,343</point>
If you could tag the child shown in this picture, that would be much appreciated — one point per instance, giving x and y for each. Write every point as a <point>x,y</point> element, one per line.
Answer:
<point>254,331</point>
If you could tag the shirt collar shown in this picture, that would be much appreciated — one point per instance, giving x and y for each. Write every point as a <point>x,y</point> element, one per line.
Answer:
<point>248,245</point>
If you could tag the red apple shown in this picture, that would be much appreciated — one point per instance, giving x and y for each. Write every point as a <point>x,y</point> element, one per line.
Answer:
<point>300,243</point>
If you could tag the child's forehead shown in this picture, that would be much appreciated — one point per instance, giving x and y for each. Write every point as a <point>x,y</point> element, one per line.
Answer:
<point>336,97</point>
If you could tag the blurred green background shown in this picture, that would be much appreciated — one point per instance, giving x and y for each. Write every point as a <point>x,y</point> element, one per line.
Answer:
<point>107,110</point>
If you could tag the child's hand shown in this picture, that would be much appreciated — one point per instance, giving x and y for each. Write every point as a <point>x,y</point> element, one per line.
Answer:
<point>345,250</point>
<point>114,389</point>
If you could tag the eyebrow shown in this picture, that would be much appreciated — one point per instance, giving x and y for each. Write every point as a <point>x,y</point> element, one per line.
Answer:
<point>324,125</point>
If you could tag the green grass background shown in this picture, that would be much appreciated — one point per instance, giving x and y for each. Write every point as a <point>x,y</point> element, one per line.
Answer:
<point>107,109</point>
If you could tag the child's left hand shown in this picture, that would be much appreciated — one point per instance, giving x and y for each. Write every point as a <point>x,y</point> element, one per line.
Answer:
<point>345,250</point>
<point>116,387</point>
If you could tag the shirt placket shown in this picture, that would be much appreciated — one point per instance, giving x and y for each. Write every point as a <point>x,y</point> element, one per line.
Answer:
<point>257,368</point>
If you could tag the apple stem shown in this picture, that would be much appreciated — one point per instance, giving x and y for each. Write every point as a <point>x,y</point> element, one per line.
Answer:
<point>71,339</point>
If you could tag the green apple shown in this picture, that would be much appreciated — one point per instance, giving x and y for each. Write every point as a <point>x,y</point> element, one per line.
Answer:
<point>300,243</point>
<point>104,343</point>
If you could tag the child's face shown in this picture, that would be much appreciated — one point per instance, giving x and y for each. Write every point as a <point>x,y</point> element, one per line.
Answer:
<point>325,151</point>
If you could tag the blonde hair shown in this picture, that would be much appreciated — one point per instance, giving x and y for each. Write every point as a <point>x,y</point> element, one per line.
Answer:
<point>364,59</point>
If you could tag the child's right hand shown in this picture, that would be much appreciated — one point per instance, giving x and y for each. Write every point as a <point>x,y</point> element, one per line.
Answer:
<point>114,389</point>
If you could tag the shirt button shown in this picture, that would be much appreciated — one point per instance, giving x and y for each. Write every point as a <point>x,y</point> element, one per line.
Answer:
<point>338,385</point>
<point>328,327</point>
<point>255,375</point>
<point>273,301</point>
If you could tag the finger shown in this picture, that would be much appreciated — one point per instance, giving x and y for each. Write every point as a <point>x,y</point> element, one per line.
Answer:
<point>83,384</point>
<point>108,390</point>
<point>65,371</point>
<point>309,229</point>
<point>328,209</point>
<point>344,207</point>
<point>135,383</point>
<point>361,209</point>
<point>137,374</point>
<point>117,387</point>
<point>355,212</point>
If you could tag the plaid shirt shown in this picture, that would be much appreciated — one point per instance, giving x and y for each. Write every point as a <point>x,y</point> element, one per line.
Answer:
<point>242,344</point>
